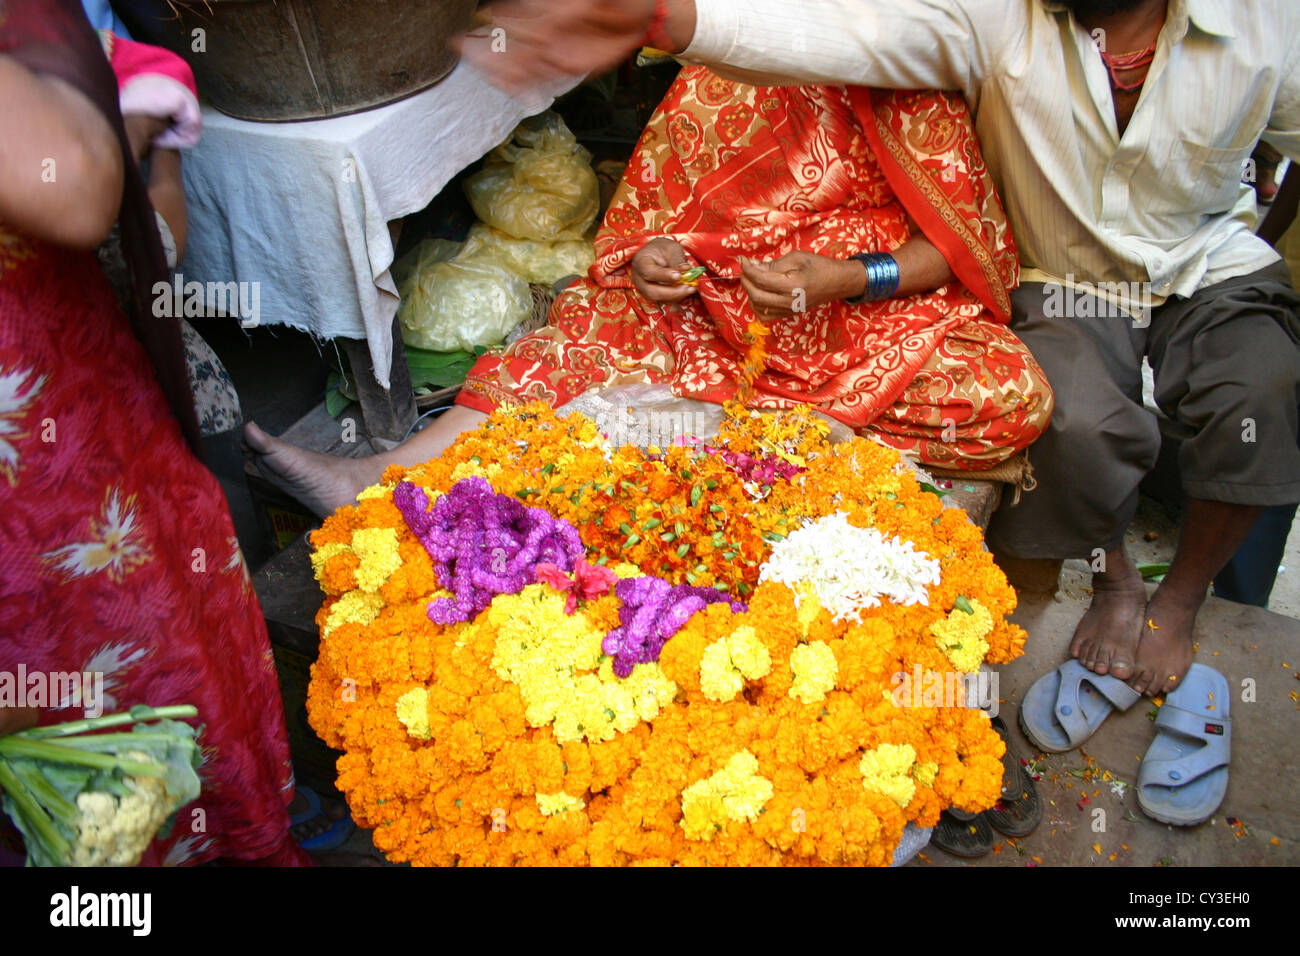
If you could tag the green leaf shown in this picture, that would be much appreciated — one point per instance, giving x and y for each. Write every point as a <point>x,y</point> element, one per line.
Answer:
<point>696,494</point>
<point>963,604</point>
<point>1153,572</point>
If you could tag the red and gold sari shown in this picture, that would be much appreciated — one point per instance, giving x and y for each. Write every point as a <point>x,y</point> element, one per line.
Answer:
<point>730,170</point>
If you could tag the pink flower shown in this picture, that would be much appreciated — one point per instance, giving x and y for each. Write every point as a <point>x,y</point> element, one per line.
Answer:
<point>589,582</point>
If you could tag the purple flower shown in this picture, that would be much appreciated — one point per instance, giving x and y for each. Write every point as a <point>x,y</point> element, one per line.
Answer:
<point>651,612</point>
<point>483,544</point>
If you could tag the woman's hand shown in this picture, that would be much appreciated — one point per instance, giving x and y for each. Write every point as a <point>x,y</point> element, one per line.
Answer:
<point>799,282</point>
<point>14,719</point>
<point>657,271</point>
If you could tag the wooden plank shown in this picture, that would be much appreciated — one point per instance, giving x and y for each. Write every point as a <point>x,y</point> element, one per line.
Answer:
<point>389,413</point>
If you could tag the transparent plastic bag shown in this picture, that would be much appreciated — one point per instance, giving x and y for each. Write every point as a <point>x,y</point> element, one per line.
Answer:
<point>543,263</point>
<point>451,301</point>
<point>539,185</point>
<point>645,415</point>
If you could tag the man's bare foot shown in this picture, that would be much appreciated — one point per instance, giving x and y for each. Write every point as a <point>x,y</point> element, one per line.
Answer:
<point>1106,639</point>
<point>1165,651</point>
<point>324,483</point>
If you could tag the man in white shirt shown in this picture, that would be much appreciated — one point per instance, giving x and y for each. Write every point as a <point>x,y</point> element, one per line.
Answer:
<point>1117,131</point>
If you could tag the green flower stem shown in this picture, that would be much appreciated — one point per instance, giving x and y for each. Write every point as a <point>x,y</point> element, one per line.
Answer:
<point>134,716</point>
<point>93,742</point>
<point>59,806</point>
<point>15,746</point>
<point>33,812</point>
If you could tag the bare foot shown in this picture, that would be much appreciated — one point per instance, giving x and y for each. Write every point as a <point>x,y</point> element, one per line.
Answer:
<point>1106,640</point>
<point>324,483</point>
<point>1165,651</point>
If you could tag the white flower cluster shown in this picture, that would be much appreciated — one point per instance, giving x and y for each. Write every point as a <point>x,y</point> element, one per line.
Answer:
<point>851,569</point>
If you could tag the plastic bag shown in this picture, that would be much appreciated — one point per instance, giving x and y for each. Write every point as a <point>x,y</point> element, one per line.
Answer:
<point>451,301</point>
<point>543,263</point>
<point>538,185</point>
<point>645,415</point>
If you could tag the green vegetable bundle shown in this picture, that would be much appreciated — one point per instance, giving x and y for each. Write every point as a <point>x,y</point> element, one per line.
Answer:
<point>81,797</point>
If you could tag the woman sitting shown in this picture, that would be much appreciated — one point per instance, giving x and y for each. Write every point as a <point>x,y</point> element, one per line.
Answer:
<point>774,191</point>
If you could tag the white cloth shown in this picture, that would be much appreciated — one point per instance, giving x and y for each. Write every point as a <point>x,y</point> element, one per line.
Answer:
<point>1163,205</point>
<point>303,209</point>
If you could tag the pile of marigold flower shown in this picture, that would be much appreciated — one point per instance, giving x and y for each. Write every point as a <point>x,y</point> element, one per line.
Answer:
<point>538,649</point>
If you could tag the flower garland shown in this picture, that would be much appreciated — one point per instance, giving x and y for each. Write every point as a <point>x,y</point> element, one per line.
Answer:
<point>538,649</point>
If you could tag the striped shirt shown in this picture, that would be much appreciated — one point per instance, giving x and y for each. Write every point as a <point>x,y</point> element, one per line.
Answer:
<point>1162,207</point>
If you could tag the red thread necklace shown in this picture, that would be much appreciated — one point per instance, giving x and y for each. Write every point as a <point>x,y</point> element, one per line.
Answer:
<point>1125,62</point>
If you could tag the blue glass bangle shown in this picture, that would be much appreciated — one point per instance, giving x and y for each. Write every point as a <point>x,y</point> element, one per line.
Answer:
<point>882,276</point>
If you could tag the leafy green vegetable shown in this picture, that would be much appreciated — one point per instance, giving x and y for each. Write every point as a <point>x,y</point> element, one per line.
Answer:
<point>80,796</point>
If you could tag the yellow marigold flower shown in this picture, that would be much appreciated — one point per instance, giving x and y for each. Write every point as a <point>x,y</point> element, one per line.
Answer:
<point>413,712</point>
<point>815,671</point>
<point>472,469</point>
<point>962,636</point>
<point>553,803</point>
<point>924,773</point>
<point>563,675</point>
<point>735,793</point>
<point>729,661</point>
<point>807,605</point>
<point>355,607</point>
<point>886,770</point>
<point>376,548</point>
<point>375,491</point>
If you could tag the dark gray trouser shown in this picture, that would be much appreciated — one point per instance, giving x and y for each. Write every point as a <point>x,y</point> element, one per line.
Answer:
<point>1227,368</point>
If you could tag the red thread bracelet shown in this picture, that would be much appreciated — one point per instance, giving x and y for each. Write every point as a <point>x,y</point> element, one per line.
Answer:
<point>655,36</point>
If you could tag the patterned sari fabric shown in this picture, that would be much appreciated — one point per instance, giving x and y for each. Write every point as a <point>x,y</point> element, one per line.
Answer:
<point>120,556</point>
<point>729,170</point>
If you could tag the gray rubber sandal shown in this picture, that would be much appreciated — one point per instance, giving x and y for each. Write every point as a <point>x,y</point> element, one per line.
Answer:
<point>1184,774</point>
<point>1065,707</point>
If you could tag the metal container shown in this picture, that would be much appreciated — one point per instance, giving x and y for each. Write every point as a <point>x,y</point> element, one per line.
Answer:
<point>282,60</point>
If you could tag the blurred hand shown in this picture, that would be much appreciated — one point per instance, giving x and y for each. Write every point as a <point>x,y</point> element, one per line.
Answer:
<point>799,282</point>
<point>657,271</point>
<point>529,41</point>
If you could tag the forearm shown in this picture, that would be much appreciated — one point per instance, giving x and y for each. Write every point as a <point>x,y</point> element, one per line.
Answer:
<point>900,44</point>
<point>921,267</point>
<point>60,162</point>
<point>1283,211</point>
<point>167,193</point>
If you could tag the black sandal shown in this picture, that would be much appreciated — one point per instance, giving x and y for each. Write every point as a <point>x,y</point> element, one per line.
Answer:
<point>967,835</point>
<point>1020,810</point>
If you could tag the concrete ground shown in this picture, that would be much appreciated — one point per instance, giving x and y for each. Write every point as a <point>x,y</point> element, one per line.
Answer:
<point>1259,822</point>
